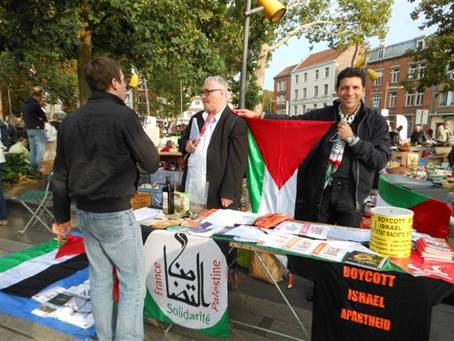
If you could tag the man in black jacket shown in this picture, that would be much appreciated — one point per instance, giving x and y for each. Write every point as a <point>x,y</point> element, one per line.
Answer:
<point>99,147</point>
<point>34,119</point>
<point>336,177</point>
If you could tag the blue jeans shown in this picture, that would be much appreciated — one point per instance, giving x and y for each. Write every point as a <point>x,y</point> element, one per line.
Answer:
<point>115,240</point>
<point>37,142</point>
<point>3,213</point>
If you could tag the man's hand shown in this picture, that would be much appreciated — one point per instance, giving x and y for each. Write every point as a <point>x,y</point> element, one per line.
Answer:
<point>344,130</point>
<point>61,229</point>
<point>226,202</point>
<point>247,113</point>
<point>190,146</point>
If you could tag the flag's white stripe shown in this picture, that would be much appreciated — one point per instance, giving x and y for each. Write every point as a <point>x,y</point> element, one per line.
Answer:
<point>278,201</point>
<point>30,268</point>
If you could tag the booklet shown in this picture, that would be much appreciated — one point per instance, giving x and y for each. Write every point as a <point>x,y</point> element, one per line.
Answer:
<point>330,251</point>
<point>365,260</point>
<point>317,231</point>
<point>304,246</point>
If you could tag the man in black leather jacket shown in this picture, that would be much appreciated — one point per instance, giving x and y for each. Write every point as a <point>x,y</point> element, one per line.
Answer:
<point>336,177</point>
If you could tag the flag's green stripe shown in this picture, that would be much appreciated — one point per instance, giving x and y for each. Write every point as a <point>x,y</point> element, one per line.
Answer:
<point>17,258</point>
<point>396,195</point>
<point>220,329</point>
<point>255,173</point>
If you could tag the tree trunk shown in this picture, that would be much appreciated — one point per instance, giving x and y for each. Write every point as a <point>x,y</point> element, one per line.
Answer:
<point>84,51</point>
<point>260,72</point>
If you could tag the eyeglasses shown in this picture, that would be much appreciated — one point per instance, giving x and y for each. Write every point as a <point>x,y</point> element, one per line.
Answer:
<point>207,92</point>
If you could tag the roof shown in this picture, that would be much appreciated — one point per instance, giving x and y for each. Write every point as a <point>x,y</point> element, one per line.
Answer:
<point>320,57</point>
<point>286,71</point>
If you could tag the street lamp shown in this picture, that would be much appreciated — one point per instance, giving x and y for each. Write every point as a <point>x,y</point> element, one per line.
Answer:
<point>274,11</point>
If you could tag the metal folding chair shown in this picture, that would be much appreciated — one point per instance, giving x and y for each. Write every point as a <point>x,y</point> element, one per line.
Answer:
<point>37,203</point>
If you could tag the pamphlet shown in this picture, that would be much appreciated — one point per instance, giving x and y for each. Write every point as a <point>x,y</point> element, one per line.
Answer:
<point>365,260</point>
<point>329,251</point>
<point>304,246</point>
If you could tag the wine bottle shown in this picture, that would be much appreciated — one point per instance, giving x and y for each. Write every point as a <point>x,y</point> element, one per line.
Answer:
<point>168,191</point>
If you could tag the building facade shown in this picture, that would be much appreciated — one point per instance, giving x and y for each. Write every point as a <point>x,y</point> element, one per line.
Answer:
<point>282,91</point>
<point>313,81</point>
<point>404,105</point>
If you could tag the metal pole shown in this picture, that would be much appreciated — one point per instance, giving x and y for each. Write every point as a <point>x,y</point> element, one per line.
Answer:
<point>146,96</point>
<point>244,60</point>
<point>181,97</point>
<point>432,105</point>
<point>9,102</point>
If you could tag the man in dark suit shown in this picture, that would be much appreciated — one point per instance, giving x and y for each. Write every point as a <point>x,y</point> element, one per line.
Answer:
<point>216,145</point>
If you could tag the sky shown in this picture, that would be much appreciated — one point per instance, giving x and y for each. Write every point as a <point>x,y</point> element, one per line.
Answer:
<point>401,28</point>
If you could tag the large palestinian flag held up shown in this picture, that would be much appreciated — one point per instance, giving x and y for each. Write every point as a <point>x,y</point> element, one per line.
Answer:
<point>276,150</point>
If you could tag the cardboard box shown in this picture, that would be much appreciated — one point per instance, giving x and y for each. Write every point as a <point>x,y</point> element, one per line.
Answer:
<point>140,200</point>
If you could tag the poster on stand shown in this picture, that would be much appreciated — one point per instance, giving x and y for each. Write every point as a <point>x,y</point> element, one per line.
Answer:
<point>186,279</point>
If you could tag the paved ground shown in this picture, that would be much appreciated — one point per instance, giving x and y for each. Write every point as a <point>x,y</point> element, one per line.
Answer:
<point>255,302</point>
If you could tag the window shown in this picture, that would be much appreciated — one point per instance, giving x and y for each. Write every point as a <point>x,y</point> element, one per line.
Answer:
<point>420,44</point>
<point>450,70</point>
<point>278,86</point>
<point>296,93</point>
<point>316,91</point>
<point>305,76</point>
<point>419,98</point>
<point>381,53</point>
<point>395,72</point>
<point>379,80</point>
<point>392,99</point>
<point>296,79</point>
<point>304,108</point>
<point>283,85</point>
<point>325,89</point>
<point>315,105</point>
<point>316,74</point>
<point>376,100</point>
<point>326,72</point>
<point>304,92</point>
<point>325,104</point>
<point>409,98</point>
<point>421,70</point>
<point>444,98</point>
<point>295,110</point>
<point>412,71</point>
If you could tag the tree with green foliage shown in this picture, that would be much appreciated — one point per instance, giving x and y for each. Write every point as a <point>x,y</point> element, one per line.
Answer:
<point>438,51</point>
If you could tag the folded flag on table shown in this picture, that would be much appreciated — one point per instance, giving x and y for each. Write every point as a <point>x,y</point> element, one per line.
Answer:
<point>276,150</point>
<point>16,275</point>
<point>431,216</point>
<point>27,272</point>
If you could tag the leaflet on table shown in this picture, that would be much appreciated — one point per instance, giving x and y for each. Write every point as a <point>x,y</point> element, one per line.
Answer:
<point>146,213</point>
<point>206,229</point>
<point>317,231</point>
<point>303,246</point>
<point>246,233</point>
<point>276,240</point>
<point>231,217</point>
<point>349,233</point>
<point>331,251</point>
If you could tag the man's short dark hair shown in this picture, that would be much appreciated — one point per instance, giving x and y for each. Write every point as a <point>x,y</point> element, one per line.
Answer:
<point>351,72</point>
<point>99,73</point>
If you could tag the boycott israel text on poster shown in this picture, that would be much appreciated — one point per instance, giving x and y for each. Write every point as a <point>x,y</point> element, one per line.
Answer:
<point>186,278</point>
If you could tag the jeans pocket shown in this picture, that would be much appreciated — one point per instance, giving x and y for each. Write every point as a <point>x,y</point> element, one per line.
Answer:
<point>108,227</point>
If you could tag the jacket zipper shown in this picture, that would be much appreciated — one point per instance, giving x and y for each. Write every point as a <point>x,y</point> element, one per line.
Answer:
<point>357,205</point>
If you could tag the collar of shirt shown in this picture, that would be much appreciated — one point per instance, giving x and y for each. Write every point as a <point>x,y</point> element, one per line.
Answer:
<point>216,117</point>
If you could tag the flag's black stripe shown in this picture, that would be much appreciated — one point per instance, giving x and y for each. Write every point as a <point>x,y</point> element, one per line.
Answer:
<point>32,285</point>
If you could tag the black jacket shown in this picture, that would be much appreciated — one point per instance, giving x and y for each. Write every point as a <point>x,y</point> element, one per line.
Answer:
<point>34,116</point>
<point>98,149</point>
<point>226,157</point>
<point>370,155</point>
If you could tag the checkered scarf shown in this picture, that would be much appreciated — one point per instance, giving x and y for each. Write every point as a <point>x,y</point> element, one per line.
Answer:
<point>337,152</point>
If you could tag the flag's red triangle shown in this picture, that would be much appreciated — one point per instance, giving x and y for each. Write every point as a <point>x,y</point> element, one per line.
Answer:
<point>284,144</point>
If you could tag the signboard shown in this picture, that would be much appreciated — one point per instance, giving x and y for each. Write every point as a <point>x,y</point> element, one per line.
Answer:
<point>186,279</point>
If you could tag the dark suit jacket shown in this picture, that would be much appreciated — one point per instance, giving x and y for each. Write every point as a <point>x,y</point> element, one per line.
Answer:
<point>226,157</point>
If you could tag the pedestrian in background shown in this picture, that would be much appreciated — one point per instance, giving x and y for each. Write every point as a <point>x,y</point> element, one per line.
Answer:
<point>34,118</point>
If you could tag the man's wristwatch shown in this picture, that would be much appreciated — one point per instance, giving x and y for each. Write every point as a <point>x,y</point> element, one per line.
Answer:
<point>350,139</point>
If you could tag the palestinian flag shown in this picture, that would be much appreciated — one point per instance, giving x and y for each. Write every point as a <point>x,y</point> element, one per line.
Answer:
<point>27,272</point>
<point>431,215</point>
<point>276,150</point>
